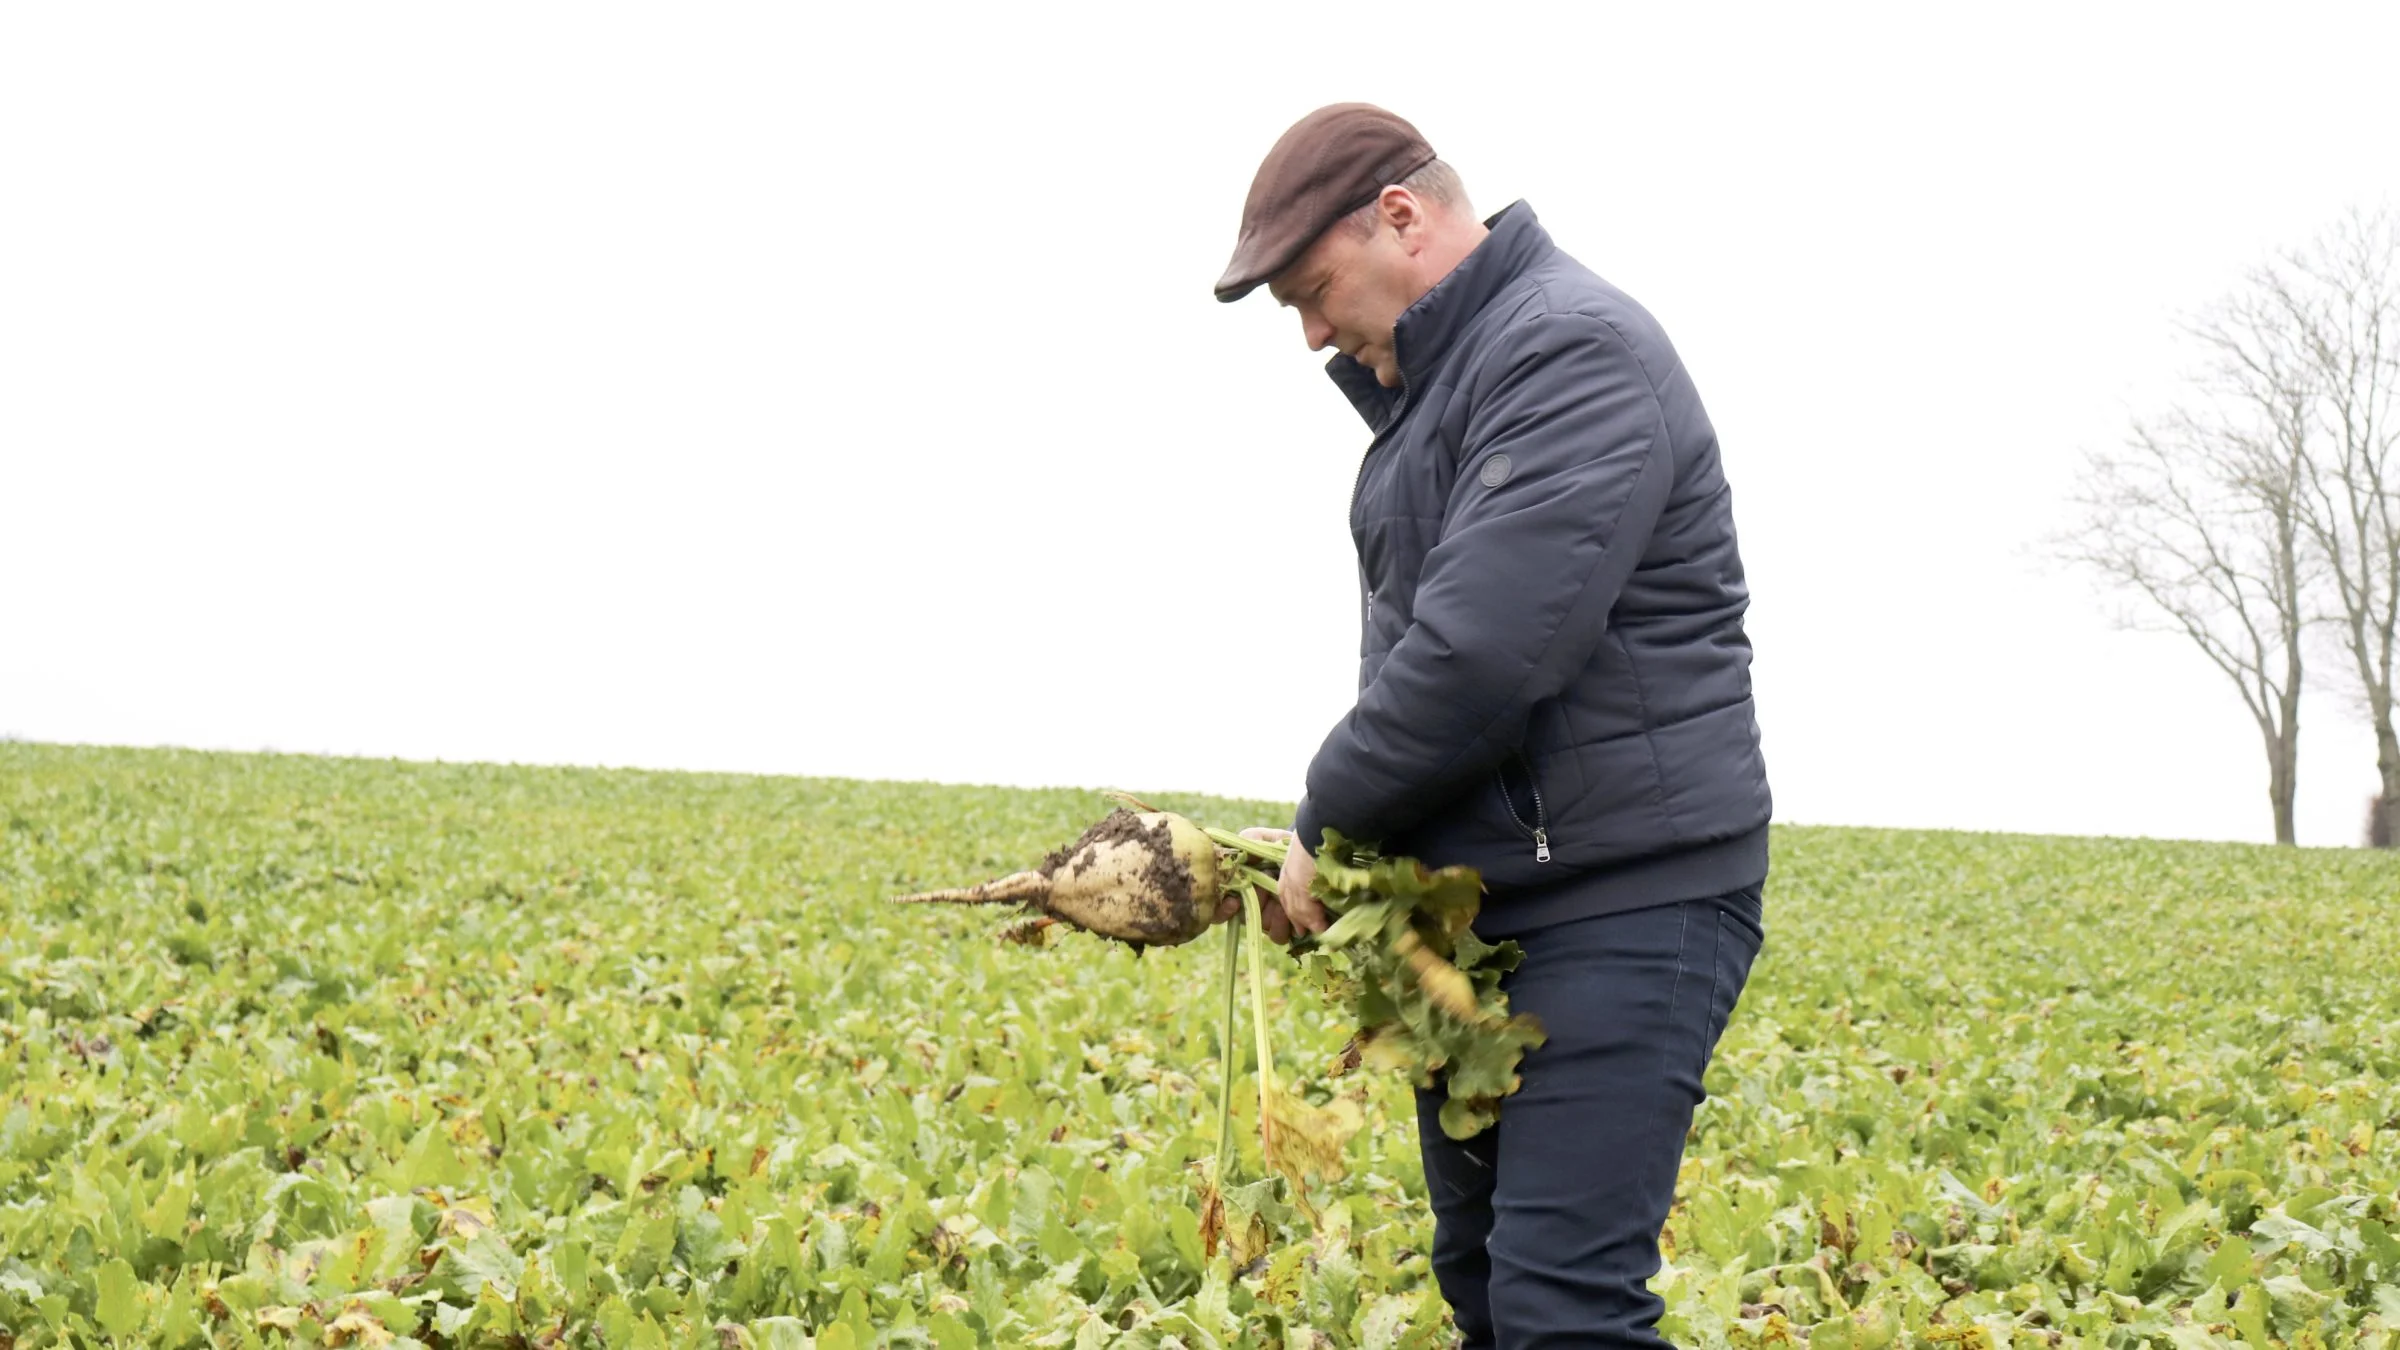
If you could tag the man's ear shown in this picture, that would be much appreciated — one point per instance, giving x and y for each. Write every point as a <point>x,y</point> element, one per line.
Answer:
<point>1404,214</point>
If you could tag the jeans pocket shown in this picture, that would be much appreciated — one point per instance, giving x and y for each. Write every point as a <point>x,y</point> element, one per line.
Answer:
<point>1737,948</point>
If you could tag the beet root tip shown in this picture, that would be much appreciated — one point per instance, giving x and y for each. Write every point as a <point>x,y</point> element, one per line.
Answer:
<point>1020,887</point>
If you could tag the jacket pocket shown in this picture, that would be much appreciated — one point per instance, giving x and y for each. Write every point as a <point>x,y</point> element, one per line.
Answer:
<point>1525,808</point>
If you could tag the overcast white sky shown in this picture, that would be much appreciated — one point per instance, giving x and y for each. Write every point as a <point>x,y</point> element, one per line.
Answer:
<point>777,388</point>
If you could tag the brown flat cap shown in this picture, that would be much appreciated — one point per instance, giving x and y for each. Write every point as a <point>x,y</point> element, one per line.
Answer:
<point>1330,163</point>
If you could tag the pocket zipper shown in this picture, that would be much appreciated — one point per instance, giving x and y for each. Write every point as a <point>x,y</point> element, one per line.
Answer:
<point>1540,829</point>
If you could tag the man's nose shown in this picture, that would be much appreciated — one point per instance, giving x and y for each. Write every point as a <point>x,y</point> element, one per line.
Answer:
<point>1318,332</point>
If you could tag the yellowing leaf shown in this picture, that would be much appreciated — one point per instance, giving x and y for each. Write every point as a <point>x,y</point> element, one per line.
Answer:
<point>465,1217</point>
<point>1309,1140</point>
<point>357,1327</point>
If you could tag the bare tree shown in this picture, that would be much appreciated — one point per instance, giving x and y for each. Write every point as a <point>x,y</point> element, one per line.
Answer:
<point>2198,517</point>
<point>2336,307</point>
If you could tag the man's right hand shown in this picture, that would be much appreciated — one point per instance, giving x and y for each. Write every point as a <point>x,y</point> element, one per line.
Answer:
<point>1289,906</point>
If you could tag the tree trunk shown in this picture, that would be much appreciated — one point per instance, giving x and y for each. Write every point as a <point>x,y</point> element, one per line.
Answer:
<point>2387,806</point>
<point>2283,780</point>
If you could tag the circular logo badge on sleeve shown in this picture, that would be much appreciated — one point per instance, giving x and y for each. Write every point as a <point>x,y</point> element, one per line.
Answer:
<point>1495,471</point>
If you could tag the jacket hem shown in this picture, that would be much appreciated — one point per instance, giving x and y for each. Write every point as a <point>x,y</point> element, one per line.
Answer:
<point>1700,873</point>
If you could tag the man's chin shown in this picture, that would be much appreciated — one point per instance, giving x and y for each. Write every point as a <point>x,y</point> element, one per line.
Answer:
<point>1387,376</point>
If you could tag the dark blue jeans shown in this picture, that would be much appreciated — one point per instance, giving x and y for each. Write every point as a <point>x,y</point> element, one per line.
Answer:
<point>1546,1225</point>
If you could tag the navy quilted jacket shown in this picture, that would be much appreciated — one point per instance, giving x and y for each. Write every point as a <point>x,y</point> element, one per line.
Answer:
<point>1554,684</point>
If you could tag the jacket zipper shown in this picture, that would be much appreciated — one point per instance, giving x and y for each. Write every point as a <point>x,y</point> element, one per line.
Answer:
<point>1540,829</point>
<point>1368,627</point>
<point>1398,411</point>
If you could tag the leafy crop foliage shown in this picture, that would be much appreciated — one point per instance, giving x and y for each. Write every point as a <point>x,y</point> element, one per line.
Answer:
<point>353,1053</point>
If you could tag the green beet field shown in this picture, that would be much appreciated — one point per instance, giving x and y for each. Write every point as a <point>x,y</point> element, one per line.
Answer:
<point>349,1053</point>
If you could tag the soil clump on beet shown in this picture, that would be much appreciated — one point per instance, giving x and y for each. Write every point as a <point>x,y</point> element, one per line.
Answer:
<point>1160,914</point>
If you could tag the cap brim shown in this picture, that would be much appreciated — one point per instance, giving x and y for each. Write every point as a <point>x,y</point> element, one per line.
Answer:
<point>1247,272</point>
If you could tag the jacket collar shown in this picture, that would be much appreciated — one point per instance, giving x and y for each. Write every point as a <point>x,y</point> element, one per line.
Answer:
<point>1427,329</point>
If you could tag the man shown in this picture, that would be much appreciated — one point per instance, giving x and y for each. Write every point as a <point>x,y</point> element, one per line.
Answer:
<point>1554,689</point>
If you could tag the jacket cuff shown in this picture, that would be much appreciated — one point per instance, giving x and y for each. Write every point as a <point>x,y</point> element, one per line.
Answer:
<point>1308,827</point>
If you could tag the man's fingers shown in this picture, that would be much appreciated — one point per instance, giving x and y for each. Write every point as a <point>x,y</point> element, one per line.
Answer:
<point>1271,918</point>
<point>1293,893</point>
<point>1306,914</point>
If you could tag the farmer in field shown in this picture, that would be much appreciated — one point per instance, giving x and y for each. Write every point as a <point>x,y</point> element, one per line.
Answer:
<point>1554,689</point>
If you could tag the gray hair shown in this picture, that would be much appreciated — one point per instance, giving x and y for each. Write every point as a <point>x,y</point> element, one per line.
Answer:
<point>1437,183</point>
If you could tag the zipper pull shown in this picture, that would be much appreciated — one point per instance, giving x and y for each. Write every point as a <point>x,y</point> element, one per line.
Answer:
<point>1541,846</point>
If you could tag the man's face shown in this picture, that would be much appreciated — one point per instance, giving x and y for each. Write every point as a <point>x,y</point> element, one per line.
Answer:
<point>1350,289</point>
